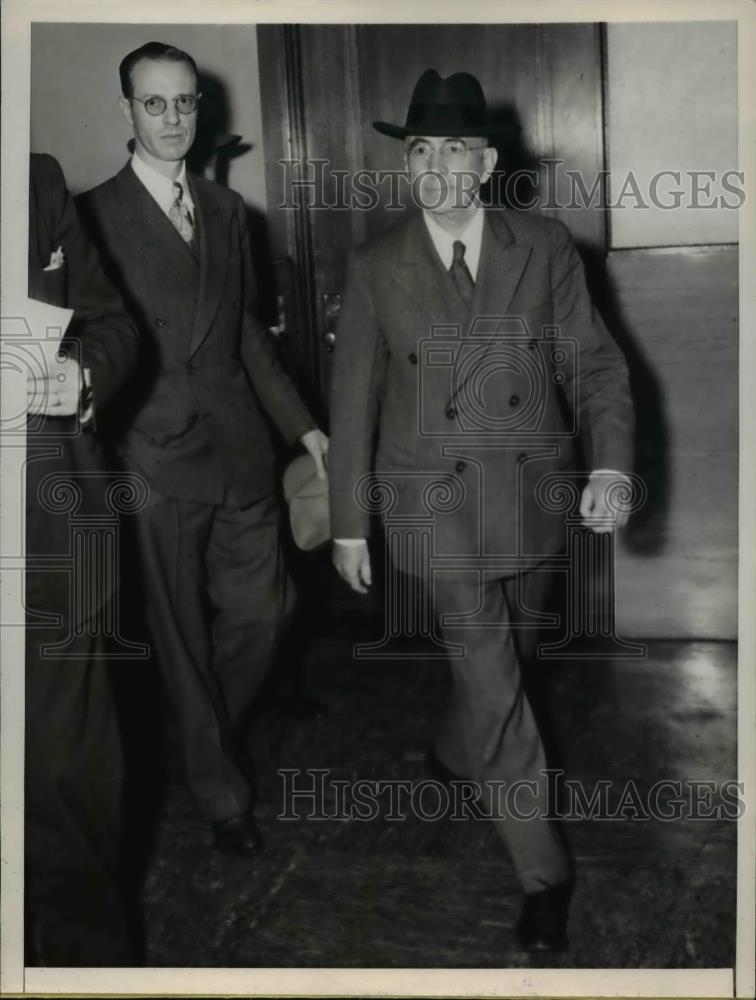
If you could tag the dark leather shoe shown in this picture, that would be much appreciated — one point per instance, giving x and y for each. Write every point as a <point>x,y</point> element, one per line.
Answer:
<point>238,835</point>
<point>542,926</point>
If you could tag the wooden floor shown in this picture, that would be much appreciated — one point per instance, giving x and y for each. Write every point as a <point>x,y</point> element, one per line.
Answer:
<point>419,893</point>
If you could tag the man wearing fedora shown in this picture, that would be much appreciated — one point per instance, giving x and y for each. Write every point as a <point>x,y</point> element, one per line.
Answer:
<point>195,425</point>
<point>447,372</point>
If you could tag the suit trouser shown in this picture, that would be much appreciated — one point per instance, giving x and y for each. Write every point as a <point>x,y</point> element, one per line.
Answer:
<point>216,595</point>
<point>73,782</point>
<point>489,734</point>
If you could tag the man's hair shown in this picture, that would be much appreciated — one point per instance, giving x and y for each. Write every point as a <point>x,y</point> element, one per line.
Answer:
<point>151,50</point>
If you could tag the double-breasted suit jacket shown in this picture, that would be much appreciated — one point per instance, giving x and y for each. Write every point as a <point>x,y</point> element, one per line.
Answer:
<point>194,423</point>
<point>104,340</point>
<point>488,399</point>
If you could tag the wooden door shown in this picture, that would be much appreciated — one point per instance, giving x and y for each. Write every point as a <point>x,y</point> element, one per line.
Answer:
<point>323,86</point>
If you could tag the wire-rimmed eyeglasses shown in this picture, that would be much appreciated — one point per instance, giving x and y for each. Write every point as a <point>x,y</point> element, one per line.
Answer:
<point>185,104</point>
<point>453,151</point>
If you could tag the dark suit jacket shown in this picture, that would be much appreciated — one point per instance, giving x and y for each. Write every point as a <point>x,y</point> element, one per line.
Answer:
<point>194,423</point>
<point>422,393</point>
<point>104,340</point>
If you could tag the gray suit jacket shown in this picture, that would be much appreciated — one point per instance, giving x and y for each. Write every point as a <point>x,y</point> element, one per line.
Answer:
<point>192,419</point>
<point>487,402</point>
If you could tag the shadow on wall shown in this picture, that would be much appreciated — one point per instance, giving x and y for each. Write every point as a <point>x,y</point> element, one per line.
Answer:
<point>215,148</point>
<point>515,160</point>
<point>646,530</point>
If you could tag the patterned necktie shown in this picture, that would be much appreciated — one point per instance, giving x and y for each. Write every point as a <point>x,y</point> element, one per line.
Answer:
<point>180,215</point>
<point>460,274</point>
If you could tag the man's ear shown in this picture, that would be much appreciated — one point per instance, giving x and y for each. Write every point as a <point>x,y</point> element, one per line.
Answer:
<point>490,156</point>
<point>126,108</point>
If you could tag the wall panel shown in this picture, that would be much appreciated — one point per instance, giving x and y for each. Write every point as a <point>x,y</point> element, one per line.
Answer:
<point>677,315</point>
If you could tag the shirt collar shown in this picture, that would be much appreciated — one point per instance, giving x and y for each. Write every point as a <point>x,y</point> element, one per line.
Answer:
<point>472,237</point>
<point>160,186</point>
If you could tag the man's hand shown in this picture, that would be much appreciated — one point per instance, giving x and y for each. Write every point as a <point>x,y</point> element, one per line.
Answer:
<point>595,509</point>
<point>352,563</point>
<point>58,391</point>
<point>316,442</point>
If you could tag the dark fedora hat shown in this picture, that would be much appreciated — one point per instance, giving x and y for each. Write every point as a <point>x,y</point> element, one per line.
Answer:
<point>451,106</point>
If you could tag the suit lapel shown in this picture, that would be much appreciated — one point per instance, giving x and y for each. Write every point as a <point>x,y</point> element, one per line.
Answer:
<point>423,277</point>
<point>421,274</point>
<point>214,234</point>
<point>502,261</point>
<point>501,265</point>
<point>152,233</point>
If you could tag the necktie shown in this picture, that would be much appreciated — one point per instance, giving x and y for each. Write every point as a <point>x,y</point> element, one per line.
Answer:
<point>180,215</point>
<point>460,273</point>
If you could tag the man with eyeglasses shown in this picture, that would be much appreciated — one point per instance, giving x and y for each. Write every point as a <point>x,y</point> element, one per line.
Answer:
<point>193,424</point>
<point>446,387</point>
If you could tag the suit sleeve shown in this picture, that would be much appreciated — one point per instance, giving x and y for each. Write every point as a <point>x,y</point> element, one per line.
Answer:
<point>359,366</point>
<point>271,384</point>
<point>599,377</point>
<point>108,339</point>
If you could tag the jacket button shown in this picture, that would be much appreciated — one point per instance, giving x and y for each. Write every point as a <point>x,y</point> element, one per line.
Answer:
<point>514,400</point>
<point>190,368</point>
<point>460,466</point>
<point>451,413</point>
<point>522,456</point>
<point>412,358</point>
<point>159,321</point>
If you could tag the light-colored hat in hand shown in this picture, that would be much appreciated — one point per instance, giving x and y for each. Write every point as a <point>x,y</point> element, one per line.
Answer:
<point>307,497</point>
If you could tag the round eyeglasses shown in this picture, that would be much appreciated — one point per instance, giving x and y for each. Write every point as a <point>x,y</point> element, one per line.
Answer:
<point>453,151</point>
<point>185,104</point>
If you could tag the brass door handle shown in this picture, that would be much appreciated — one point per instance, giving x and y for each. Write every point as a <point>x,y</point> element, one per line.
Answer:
<point>331,310</point>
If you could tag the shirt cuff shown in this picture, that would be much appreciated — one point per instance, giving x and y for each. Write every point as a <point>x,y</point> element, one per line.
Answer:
<point>350,542</point>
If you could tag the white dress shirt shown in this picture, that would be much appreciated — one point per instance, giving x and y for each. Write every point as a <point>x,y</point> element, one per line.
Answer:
<point>472,237</point>
<point>160,186</point>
